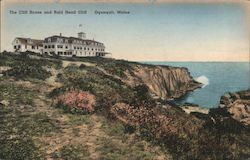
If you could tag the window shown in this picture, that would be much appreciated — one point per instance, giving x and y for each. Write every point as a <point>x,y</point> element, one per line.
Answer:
<point>48,46</point>
<point>45,46</point>
<point>59,46</point>
<point>92,49</point>
<point>84,48</point>
<point>15,47</point>
<point>60,40</point>
<point>66,47</point>
<point>52,46</point>
<point>75,47</point>
<point>60,53</point>
<point>33,47</point>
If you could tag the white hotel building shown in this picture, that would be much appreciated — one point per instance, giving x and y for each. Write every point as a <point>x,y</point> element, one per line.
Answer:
<point>61,46</point>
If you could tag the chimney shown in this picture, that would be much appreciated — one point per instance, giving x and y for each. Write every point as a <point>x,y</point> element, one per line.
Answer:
<point>60,34</point>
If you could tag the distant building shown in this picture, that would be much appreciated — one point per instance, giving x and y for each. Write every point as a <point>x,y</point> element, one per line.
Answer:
<point>27,44</point>
<point>71,46</point>
<point>62,46</point>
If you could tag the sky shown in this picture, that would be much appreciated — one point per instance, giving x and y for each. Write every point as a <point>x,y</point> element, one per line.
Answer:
<point>151,32</point>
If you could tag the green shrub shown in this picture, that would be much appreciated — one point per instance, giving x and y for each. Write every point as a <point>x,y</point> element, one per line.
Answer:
<point>25,72</point>
<point>113,150</point>
<point>16,94</point>
<point>24,67</point>
<point>74,152</point>
<point>21,147</point>
<point>17,130</point>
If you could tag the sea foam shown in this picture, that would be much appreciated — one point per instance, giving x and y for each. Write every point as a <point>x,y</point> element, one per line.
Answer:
<point>203,79</point>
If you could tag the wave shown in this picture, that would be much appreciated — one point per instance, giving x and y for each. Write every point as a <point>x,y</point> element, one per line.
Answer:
<point>203,79</point>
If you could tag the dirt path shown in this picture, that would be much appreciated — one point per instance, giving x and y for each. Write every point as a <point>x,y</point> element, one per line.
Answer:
<point>52,79</point>
<point>69,134</point>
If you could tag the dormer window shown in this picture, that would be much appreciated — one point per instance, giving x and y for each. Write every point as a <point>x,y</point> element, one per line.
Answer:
<point>49,40</point>
<point>29,41</point>
<point>60,40</point>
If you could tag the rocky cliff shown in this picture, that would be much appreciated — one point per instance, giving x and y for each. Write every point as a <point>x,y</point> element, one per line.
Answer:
<point>163,82</point>
<point>238,105</point>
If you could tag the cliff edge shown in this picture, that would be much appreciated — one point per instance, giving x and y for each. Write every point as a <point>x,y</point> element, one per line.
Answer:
<point>163,82</point>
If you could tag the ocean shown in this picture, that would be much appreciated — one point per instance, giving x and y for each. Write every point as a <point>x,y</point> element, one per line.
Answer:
<point>217,77</point>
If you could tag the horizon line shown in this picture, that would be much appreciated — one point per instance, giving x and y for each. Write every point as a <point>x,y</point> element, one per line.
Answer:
<point>125,1</point>
<point>199,61</point>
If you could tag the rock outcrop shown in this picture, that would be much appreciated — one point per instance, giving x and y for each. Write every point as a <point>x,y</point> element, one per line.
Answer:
<point>163,82</point>
<point>238,105</point>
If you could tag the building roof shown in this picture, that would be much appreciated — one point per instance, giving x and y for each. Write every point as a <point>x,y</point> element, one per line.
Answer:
<point>29,41</point>
<point>73,38</point>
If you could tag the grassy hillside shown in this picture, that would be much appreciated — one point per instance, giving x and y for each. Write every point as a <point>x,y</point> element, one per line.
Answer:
<point>81,108</point>
<point>34,127</point>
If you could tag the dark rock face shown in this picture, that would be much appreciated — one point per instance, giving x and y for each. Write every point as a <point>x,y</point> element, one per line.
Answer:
<point>238,105</point>
<point>163,82</point>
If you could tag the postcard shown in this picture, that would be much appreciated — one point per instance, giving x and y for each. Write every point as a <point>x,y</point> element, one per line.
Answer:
<point>119,80</point>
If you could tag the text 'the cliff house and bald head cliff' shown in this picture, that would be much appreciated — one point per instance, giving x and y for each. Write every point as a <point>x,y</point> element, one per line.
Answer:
<point>61,46</point>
